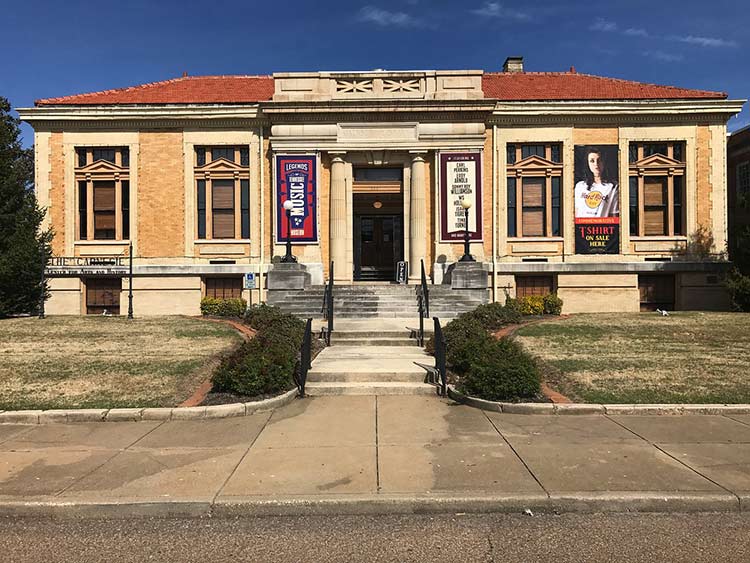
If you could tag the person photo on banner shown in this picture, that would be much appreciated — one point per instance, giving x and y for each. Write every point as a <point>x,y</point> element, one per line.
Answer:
<point>597,192</point>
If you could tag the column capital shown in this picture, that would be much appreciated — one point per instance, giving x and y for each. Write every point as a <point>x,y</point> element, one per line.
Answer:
<point>337,156</point>
<point>417,156</point>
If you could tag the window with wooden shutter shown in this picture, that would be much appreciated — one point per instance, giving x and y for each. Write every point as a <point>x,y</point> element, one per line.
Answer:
<point>102,177</point>
<point>657,188</point>
<point>657,291</point>
<point>533,207</point>
<point>222,180</point>
<point>222,207</point>
<point>104,210</point>
<point>224,288</point>
<point>534,190</point>
<point>103,296</point>
<point>527,286</point>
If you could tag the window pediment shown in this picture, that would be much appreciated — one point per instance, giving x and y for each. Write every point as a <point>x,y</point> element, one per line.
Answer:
<point>657,161</point>
<point>534,165</point>
<point>102,167</point>
<point>221,164</point>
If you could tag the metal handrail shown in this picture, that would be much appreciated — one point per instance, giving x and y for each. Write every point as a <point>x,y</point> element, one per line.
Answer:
<point>425,292</point>
<point>327,308</point>
<point>305,360</point>
<point>440,353</point>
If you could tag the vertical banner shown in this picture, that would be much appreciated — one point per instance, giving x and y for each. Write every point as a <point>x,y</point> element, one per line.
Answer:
<point>597,199</point>
<point>296,180</point>
<point>460,178</point>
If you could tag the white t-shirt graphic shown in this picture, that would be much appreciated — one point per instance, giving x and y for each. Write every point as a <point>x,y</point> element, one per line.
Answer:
<point>599,200</point>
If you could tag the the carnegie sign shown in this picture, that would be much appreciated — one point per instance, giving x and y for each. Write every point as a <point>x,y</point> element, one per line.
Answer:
<point>86,265</point>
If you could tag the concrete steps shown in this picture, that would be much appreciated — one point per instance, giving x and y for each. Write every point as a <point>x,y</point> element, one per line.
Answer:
<point>374,301</point>
<point>365,361</point>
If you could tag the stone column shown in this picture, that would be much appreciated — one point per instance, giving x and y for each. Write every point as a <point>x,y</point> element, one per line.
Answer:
<point>417,218</point>
<point>337,222</point>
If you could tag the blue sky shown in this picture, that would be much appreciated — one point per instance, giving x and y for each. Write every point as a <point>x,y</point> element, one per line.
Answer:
<point>58,48</point>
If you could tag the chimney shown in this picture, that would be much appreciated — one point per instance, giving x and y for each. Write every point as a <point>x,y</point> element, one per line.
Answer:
<point>513,64</point>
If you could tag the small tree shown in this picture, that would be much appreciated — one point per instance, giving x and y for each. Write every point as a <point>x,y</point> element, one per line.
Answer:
<point>24,248</point>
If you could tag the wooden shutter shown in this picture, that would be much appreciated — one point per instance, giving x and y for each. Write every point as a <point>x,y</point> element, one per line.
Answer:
<point>533,207</point>
<point>656,291</point>
<point>224,288</point>
<point>533,285</point>
<point>104,196</point>
<point>223,208</point>
<point>103,294</point>
<point>655,206</point>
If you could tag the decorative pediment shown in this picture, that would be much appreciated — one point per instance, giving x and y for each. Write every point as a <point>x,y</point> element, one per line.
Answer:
<point>657,161</point>
<point>102,167</point>
<point>221,164</point>
<point>534,165</point>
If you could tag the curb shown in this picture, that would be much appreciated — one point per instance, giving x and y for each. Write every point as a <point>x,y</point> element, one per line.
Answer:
<point>577,503</point>
<point>136,414</point>
<point>591,408</point>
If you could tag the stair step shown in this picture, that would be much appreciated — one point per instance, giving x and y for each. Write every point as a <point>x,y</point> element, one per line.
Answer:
<point>369,388</point>
<point>337,341</point>
<point>366,377</point>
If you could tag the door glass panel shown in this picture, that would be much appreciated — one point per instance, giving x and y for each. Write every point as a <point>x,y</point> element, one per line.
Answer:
<point>368,230</point>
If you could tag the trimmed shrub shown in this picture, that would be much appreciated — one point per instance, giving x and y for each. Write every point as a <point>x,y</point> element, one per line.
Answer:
<point>463,337</point>
<point>500,370</point>
<point>531,305</point>
<point>552,304</point>
<point>223,307</point>
<point>260,315</point>
<point>266,364</point>
<point>494,316</point>
<point>260,366</point>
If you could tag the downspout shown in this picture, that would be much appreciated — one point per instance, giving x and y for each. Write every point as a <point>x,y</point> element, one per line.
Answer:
<point>494,213</point>
<point>261,279</point>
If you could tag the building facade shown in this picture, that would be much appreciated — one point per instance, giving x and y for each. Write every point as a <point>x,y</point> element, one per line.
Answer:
<point>738,183</point>
<point>588,186</point>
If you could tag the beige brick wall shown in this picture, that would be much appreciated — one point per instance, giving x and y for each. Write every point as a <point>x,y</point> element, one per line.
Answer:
<point>161,194</point>
<point>598,293</point>
<point>57,193</point>
<point>595,135</point>
<point>703,175</point>
<point>324,200</point>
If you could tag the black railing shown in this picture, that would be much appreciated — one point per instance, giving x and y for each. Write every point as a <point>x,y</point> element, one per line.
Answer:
<point>423,305</point>
<point>327,308</point>
<point>305,359</point>
<point>440,351</point>
<point>425,292</point>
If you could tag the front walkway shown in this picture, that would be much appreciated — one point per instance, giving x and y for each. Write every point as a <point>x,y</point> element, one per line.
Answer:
<point>393,453</point>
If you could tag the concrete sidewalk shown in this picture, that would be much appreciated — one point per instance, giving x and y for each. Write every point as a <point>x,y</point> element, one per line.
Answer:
<point>360,454</point>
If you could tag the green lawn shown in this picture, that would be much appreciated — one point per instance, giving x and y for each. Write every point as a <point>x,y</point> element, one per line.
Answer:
<point>106,362</point>
<point>687,357</point>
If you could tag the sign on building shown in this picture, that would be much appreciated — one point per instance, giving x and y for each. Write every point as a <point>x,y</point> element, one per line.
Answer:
<point>86,266</point>
<point>597,199</point>
<point>460,178</point>
<point>250,280</point>
<point>296,180</point>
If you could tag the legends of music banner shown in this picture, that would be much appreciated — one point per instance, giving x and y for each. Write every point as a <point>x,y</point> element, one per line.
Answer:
<point>296,180</point>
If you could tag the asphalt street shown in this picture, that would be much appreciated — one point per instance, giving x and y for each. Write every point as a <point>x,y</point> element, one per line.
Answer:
<point>635,538</point>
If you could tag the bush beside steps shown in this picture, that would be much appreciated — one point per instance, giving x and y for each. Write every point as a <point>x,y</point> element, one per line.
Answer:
<point>489,368</point>
<point>266,364</point>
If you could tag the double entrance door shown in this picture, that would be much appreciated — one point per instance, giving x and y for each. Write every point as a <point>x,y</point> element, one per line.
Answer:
<point>378,246</point>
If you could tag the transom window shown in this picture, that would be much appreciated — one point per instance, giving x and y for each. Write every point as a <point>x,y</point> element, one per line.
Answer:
<point>657,188</point>
<point>222,176</point>
<point>103,180</point>
<point>534,184</point>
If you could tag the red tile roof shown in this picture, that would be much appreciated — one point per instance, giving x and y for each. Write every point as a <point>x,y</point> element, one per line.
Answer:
<point>528,86</point>
<point>503,86</point>
<point>184,90</point>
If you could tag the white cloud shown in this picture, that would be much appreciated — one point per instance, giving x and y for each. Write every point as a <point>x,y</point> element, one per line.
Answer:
<point>603,25</point>
<point>636,32</point>
<point>663,56</point>
<point>373,14</point>
<point>497,10</point>
<point>704,41</point>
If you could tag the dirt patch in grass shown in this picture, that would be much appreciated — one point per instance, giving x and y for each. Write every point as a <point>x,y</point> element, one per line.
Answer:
<point>687,357</point>
<point>107,362</point>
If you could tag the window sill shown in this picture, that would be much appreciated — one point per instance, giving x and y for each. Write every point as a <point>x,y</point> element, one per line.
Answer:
<point>102,241</point>
<point>536,239</point>
<point>657,238</point>
<point>223,241</point>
